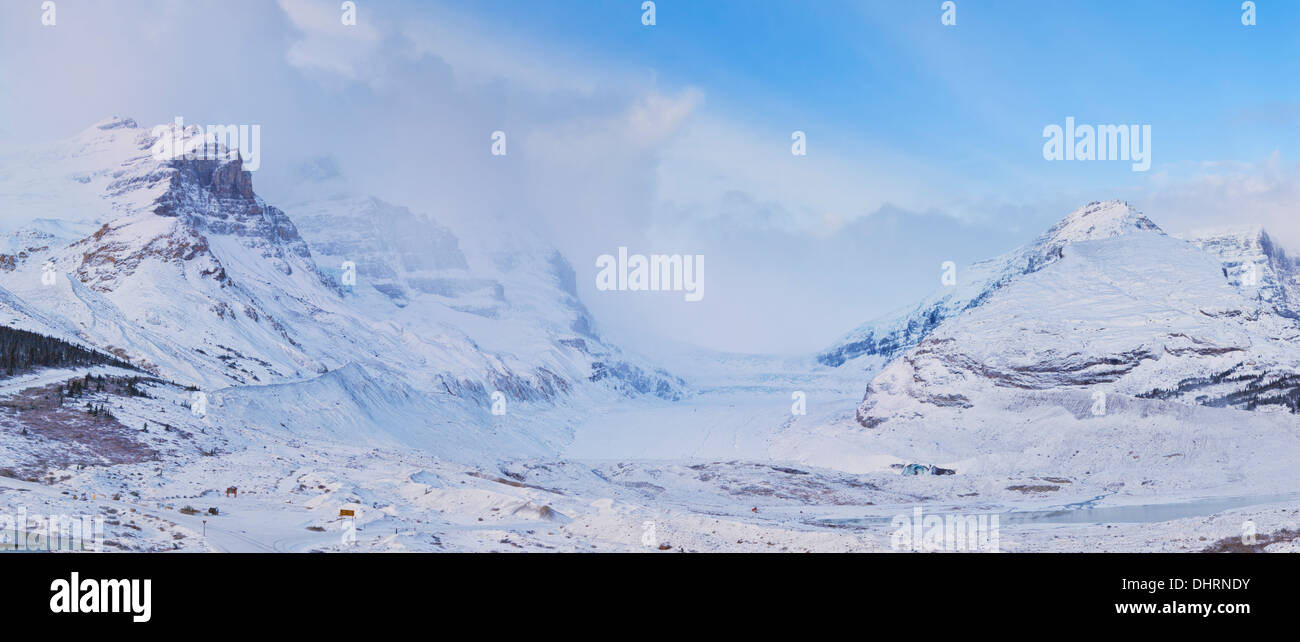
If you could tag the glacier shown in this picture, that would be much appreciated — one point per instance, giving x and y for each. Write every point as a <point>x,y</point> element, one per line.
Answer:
<point>449,386</point>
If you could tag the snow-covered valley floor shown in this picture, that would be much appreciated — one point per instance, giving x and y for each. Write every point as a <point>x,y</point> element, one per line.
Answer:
<point>729,470</point>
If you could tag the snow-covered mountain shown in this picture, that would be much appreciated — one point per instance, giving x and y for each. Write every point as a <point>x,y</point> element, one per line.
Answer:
<point>509,293</point>
<point>899,331</point>
<point>351,349</point>
<point>1103,311</point>
<point>178,267</point>
<point>187,273</point>
<point>1253,262</point>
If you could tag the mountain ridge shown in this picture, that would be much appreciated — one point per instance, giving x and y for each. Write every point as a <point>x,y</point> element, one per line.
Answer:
<point>1132,312</point>
<point>177,265</point>
<point>895,333</point>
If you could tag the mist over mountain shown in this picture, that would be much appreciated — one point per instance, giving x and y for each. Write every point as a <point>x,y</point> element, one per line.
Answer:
<point>185,272</point>
<point>428,276</point>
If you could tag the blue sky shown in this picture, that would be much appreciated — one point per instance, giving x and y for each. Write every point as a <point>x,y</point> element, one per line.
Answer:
<point>972,97</point>
<point>924,141</point>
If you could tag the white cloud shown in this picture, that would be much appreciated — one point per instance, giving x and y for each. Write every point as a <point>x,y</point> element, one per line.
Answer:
<point>604,157</point>
<point>326,44</point>
<point>1223,193</point>
<point>600,155</point>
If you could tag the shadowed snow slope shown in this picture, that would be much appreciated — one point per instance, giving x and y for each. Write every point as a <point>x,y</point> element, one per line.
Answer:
<point>897,332</point>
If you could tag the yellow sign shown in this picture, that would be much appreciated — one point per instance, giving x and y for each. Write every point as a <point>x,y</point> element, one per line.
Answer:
<point>346,512</point>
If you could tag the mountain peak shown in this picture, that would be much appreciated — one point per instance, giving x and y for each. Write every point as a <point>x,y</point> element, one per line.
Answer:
<point>115,122</point>
<point>1099,220</point>
<point>900,331</point>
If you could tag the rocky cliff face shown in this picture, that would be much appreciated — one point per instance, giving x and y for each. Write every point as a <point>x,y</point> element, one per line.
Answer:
<point>177,265</point>
<point>1255,265</point>
<point>516,296</point>
<point>389,248</point>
